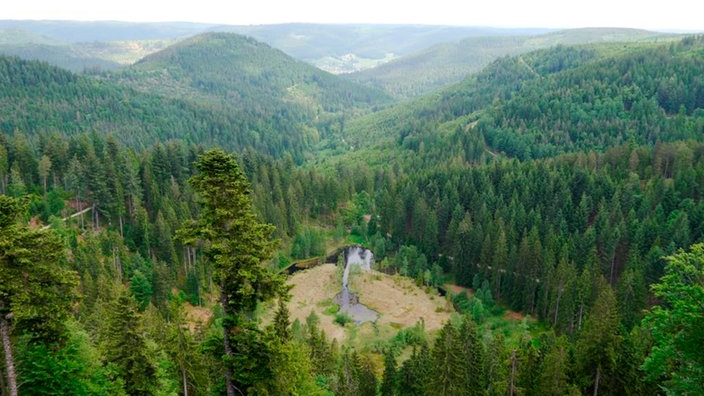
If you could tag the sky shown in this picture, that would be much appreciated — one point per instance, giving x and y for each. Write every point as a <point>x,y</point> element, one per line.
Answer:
<point>646,14</point>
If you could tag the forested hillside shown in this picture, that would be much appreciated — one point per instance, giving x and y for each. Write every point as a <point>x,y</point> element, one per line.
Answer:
<point>449,62</point>
<point>240,72</point>
<point>565,184</point>
<point>282,106</point>
<point>547,102</point>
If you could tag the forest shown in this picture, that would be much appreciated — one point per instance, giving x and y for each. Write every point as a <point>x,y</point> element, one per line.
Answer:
<point>564,184</point>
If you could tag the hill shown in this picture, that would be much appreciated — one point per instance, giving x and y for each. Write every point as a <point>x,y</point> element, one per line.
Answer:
<point>39,99</point>
<point>76,57</point>
<point>216,89</point>
<point>334,48</point>
<point>547,102</point>
<point>90,31</point>
<point>237,71</point>
<point>449,62</point>
<point>349,48</point>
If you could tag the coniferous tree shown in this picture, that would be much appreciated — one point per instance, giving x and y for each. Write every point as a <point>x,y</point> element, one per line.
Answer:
<point>236,244</point>
<point>447,363</point>
<point>389,384</point>
<point>473,356</point>
<point>415,372</point>
<point>124,346</point>
<point>598,342</point>
<point>37,292</point>
<point>555,370</point>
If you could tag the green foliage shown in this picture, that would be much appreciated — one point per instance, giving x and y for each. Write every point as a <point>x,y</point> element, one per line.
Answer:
<point>141,289</point>
<point>677,325</point>
<point>236,245</point>
<point>124,347</point>
<point>598,343</point>
<point>356,375</point>
<point>573,238</point>
<point>342,318</point>
<point>308,242</point>
<point>37,288</point>
<point>70,368</point>
<point>447,63</point>
<point>415,372</point>
<point>389,384</point>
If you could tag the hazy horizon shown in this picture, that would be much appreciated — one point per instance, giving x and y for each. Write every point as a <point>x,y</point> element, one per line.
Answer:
<point>552,14</point>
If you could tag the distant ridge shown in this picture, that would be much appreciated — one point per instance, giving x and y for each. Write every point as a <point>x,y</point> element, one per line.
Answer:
<point>447,63</point>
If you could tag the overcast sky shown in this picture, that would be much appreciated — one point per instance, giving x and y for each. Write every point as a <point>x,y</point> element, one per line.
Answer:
<point>647,14</point>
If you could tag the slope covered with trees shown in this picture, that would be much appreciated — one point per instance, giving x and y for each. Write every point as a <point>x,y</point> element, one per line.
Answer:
<point>539,183</point>
<point>544,103</point>
<point>285,106</point>
<point>444,64</point>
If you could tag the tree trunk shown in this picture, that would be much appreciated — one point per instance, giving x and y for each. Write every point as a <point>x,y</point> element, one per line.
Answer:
<point>3,387</point>
<point>185,382</point>
<point>613,264</point>
<point>9,360</point>
<point>229,384</point>
<point>596,381</point>
<point>581,311</point>
<point>511,386</point>
<point>557,306</point>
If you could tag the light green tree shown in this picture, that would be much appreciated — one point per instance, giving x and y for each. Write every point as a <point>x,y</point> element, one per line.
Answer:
<point>677,324</point>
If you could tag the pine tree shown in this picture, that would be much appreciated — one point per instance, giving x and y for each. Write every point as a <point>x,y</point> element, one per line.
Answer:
<point>124,346</point>
<point>599,340</point>
<point>447,367</point>
<point>236,243</point>
<point>554,369</point>
<point>415,372</point>
<point>473,357</point>
<point>282,321</point>
<point>389,382</point>
<point>36,291</point>
<point>141,289</point>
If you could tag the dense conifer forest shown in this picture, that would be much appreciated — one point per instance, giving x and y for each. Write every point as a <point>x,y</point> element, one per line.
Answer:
<point>147,213</point>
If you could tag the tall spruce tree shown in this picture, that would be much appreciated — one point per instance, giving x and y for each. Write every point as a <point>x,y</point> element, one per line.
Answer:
<point>124,345</point>
<point>389,384</point>
<point>36,291</point>
<point>598,343</point>
<point>236,243</point>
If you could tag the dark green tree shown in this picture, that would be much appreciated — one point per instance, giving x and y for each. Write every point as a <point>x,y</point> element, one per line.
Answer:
<point>447,365</point>
<point>598,342</point>
<point>36,292</point>
<point>389,384</point>
<point>123,345</point>
<point>415,372</point>
<point>236,243</point>
<point>473,356</point>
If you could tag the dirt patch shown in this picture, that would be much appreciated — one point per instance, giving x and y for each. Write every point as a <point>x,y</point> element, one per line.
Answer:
<point>516,316</point>
<point>196,316</point>
<point>313,290</point>
<point>397,299</point>
<point>457,289</point>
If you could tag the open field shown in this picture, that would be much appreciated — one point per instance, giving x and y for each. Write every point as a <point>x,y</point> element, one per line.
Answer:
<point>397,299</point>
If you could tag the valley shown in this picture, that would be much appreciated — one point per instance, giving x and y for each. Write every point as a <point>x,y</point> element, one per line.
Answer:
<point>548,183</point>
